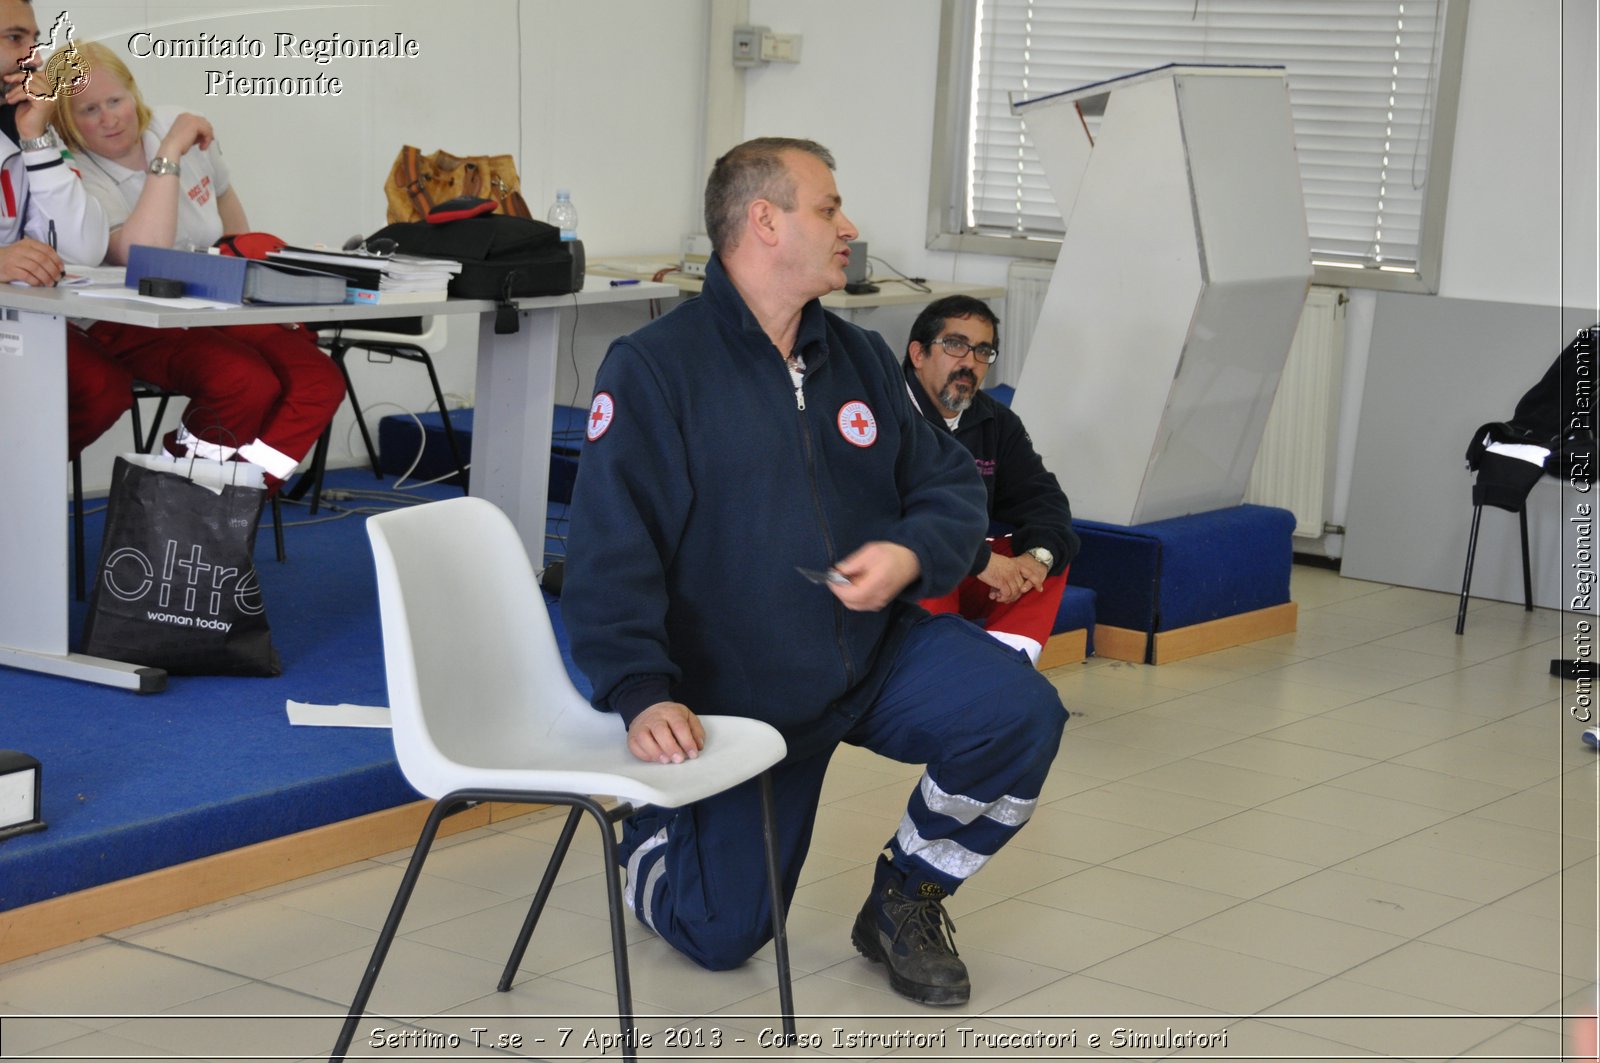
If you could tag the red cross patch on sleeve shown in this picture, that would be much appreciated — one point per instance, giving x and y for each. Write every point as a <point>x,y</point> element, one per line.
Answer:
<point>601,413</point>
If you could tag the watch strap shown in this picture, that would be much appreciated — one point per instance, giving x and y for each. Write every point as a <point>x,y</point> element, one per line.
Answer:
<point>162,165</point>
<point>39,143</point>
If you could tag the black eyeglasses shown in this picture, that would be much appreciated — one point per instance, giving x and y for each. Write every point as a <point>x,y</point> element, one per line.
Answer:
<point>956,347</point>
<point>379,246</point>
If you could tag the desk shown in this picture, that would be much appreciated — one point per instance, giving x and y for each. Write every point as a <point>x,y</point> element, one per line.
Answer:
<point>510,442</point>
<point>891,292</point>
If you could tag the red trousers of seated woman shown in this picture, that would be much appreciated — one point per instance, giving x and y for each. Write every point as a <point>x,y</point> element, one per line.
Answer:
<point>265,391</point>
<point>1024,624</point>
<point>99,390</point>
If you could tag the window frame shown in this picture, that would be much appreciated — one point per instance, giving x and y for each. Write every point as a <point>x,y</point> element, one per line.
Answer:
<point>947,182</point>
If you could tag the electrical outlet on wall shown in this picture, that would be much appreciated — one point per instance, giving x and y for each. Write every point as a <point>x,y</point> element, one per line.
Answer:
<point>747,44</point>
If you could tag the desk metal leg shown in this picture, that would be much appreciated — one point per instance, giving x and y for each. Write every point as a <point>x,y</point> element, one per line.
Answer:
<point>135,677</point>
<point>511,425</point>
<point>33,521</point>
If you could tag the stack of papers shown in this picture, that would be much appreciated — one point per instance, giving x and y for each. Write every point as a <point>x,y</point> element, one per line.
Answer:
<point>380,278</point>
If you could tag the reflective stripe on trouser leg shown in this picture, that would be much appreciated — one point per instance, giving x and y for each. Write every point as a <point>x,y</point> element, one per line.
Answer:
<point>703,885</point>
<point>645,863</point>
<point>986,724</point>
<point>275,462</point>
<point>198,447</point>
<point>988,825</point>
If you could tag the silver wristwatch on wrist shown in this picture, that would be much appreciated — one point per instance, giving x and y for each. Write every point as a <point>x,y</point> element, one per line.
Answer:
<point>1043,556</point>
<point>162,165</point>
<point>39,143</point>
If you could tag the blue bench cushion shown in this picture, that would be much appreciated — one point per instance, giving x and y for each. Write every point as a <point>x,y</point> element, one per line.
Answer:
<point>1187,570</point>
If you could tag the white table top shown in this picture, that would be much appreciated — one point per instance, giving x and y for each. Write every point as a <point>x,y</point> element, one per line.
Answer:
<point>68,302</point>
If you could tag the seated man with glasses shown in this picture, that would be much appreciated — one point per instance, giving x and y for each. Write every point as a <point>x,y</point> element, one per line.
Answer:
<point>1013,589</point>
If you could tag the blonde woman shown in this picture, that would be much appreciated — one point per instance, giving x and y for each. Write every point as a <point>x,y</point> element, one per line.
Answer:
<point>265,392</point>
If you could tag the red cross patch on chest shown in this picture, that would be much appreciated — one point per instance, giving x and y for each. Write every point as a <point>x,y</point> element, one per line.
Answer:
<point>857,424</point>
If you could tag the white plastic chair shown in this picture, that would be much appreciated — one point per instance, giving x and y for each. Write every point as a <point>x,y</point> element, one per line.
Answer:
<point>483,710</point>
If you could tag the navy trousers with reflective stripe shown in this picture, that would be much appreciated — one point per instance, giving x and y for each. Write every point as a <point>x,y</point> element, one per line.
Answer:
<point>985,723</point>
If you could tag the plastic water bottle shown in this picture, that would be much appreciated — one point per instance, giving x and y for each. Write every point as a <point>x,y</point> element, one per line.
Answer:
<point>563,215</point>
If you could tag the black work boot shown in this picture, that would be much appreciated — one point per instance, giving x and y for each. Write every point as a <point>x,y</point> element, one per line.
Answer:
<point>914,937</point>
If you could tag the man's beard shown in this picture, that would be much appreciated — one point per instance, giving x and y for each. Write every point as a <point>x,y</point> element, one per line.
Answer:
<point>956,401</point>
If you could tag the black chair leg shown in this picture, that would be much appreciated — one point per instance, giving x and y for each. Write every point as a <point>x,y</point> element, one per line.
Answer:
<point>1466,577</point>
<point>380,951</point>
<point>337,352</point>
<point>155,425</point>
<point>79,566</point>
<point>310,481</point>
<point>546,884</point>
<point>277,530</point>
<point>1527,568</point>
<point>780,933</point>
<point>138,425</point>
<point>619,932</point>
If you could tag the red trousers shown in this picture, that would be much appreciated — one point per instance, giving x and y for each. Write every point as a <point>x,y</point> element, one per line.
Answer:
<point>97,390</point>
<point>1023,624</point>
<point>266,388</point>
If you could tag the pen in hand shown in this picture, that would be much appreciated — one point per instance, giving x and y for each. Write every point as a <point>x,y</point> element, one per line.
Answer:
<point>52,236</point>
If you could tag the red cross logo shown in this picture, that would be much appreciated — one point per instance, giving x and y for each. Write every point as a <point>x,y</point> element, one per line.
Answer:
<point>857,424</point>
<point>601,413</point>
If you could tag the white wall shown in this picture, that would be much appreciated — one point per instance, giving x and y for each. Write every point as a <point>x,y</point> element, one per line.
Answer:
<point>1521,223</point>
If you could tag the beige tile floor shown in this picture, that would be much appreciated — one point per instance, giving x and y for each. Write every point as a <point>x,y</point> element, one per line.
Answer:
<point>1369,839</point>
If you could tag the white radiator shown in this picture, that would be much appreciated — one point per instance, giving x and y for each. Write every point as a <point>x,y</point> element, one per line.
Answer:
<point>1294,466</point>
<point>1026,282</point>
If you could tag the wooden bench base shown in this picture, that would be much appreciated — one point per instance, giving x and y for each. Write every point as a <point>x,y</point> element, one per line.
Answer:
<point>1165,647</point>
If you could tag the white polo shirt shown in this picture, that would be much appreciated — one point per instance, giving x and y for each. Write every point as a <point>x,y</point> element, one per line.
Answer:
<point>202,178</point>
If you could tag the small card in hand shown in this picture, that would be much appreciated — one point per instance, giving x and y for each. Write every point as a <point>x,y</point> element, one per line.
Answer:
<point>817,575</point>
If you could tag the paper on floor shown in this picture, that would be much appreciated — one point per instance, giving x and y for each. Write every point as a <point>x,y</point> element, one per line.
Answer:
<point>305,714</point>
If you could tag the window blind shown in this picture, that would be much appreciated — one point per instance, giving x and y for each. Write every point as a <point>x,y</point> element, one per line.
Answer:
<point>1362,76</point>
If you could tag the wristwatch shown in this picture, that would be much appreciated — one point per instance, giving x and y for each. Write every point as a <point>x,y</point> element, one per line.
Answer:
<point>1043,556</point>
<point>162,165</point>
<point>39,143</point>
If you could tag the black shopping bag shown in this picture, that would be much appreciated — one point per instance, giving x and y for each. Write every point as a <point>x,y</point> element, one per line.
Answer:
<point>176,586</point>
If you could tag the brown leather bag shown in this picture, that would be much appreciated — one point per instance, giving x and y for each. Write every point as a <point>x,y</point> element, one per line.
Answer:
<point>418,182</point>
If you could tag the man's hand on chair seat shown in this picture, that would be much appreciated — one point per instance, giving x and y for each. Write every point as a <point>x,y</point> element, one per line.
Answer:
<point>666,733</point>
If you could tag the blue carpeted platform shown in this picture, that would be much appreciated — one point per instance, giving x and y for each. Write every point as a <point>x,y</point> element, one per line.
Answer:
<point>134,783</point>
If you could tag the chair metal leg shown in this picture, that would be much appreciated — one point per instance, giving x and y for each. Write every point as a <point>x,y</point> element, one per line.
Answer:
<point>138,425</point>
<point>79,566</point>
<point>1527,569</point>
<point>543,894</point>
<point>780,933</point>
<point>277,530</point>
<point>155,425</point>
<point>445,807</point>
<point>311,479</point>
<point>619,932</point>
<point>1466,577</point>
<point>337,352</point>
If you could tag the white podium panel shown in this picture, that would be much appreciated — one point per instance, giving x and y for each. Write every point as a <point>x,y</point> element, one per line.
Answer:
<point>1176,295</point>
